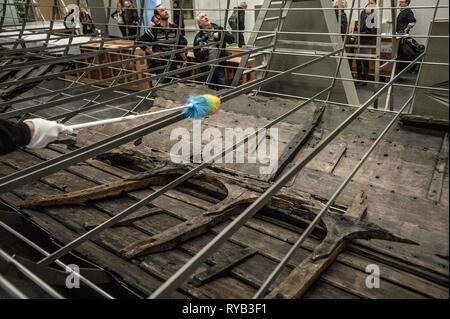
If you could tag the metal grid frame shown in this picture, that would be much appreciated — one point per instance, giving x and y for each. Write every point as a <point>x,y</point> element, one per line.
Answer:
<point>38,171</point>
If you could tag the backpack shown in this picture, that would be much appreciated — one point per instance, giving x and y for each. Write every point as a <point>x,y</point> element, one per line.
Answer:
<point>408,49</point>
<point>233,20</point>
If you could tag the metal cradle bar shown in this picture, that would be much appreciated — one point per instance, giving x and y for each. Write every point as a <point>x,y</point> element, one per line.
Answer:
<point>184,272</point>
<point>10,289</point>
<point>64,250</point>
<point>274,275</point>
<point>58,262</point>
<point>27,273</point>
<point>106,90</point>
<point>338,68</point>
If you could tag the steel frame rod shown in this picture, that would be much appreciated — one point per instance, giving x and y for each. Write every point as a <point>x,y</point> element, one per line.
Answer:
<point>105,90</point>
<point>109,50</point>
<point>97,105</point>
<point>30,275</point>
<point>64,250</point>
<point>222,40</point>
<point>273,9</point>
<point>389,104</point>
<point>58,262</point>
<point>22,30</point>
<point>62,91</point>
<point>419,36</point>
<point>37,171</point>
<point>276,272</point>
<point>188,268</point>
<point>60,59</point>
<point>10,289</point>
<point>430,31</point>
<point>338,68</point>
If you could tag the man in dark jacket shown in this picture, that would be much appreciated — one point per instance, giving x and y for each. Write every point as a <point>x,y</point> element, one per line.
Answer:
<point>405,19</point>
<point>165,37</point>
<point>237,23</point>
<point>208,34</point>
<point>34,133</point>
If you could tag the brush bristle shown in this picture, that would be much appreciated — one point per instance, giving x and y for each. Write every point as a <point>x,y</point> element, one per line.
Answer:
<point>202,106</point>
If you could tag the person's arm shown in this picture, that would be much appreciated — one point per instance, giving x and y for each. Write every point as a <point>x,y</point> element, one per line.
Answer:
<point>177,18</point>
<point>411,21</point>
<point>149,37</point>
<point>13,135</point>
<point>241,17</point>
<point>182,42</point>
<point>33,133</point>
<point>135,17</point>
<point>201,54</point>
<point>229,38</point>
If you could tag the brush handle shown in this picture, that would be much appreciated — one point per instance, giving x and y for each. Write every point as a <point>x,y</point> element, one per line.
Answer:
<point>125,118</point>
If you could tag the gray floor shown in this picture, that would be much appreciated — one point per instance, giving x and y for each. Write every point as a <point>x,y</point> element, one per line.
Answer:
<point>399,96</point>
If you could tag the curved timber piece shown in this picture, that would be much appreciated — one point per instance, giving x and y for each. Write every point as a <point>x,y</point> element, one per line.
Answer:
<point>159,176</point>
<point>174,236</point>
<point>341,229</point>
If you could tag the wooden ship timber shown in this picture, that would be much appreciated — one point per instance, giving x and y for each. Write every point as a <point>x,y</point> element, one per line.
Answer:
<point>393,214</point>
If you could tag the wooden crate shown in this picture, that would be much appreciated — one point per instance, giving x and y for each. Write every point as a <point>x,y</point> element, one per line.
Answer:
<point>247,76</point>
<point>110,72</point>
<point>233,63</point>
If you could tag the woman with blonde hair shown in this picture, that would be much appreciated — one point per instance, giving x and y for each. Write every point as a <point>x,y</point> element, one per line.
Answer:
<point>340,4</point>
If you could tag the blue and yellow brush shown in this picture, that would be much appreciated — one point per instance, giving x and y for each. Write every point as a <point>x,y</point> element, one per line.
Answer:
<point>197,107</point>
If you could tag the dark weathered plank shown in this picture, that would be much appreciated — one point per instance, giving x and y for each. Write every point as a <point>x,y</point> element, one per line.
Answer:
<point>310,269</point>
<point>174,206</point>
<point>437,181</point>
<point>388,273</point>
<point>129,273</point>
<point>114,239</point>
<point>225,266</point>
<point>112,189</point>
<point>424,121</point>
<point>109,238</point>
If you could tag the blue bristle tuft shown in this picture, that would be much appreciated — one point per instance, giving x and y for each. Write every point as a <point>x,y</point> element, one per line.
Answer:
<point>200,108</point>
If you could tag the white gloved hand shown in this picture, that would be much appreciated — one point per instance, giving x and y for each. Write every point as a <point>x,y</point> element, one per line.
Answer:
<point>46,132</point>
